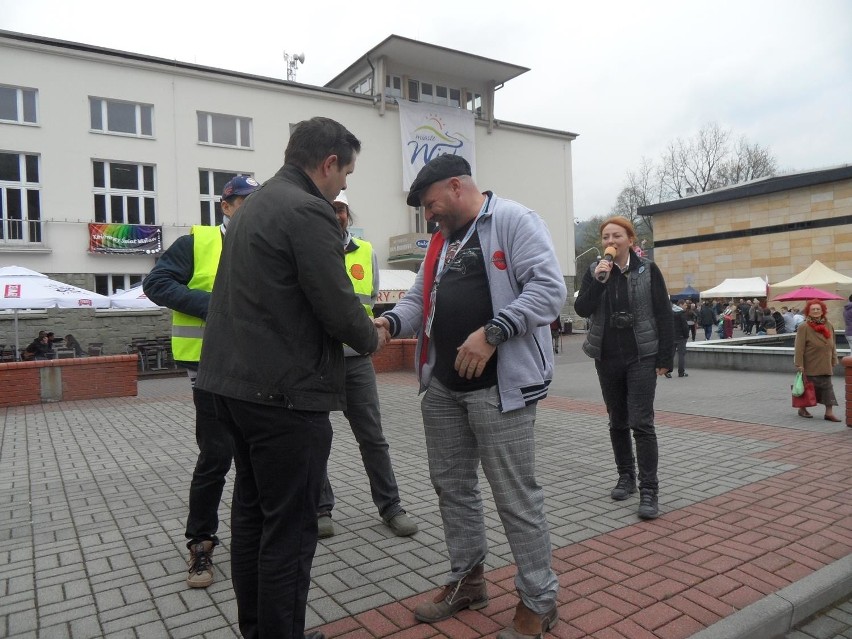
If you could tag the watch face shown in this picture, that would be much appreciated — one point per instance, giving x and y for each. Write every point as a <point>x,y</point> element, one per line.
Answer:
<point>493,335</point>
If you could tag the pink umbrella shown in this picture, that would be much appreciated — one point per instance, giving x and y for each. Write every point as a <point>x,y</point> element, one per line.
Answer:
<point>807,293</point>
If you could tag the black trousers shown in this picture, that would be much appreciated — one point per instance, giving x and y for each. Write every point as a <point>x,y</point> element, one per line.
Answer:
<point>628,392</point>
<point>281,457</point>
<point>215,452</point>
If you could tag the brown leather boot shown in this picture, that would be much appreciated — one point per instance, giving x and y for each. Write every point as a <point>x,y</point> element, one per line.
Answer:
<point>528,624</point>
<point>469,592</point>
<point>200,565</point>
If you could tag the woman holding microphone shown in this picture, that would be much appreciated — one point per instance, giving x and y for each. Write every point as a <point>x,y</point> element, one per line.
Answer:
<point>630,337</point>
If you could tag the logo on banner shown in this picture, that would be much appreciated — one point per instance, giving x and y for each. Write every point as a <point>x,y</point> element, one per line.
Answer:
<point>433,138</point>
<point>430,130</point>
<point>12,290</point>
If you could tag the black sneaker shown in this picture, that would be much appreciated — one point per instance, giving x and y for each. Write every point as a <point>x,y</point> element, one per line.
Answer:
<point>625,487</point>
<point>648,504</point>
<point>683,374</point>
<point>669,375</point>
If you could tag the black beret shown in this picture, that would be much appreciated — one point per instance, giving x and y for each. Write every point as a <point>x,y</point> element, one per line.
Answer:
<point>437,169</point>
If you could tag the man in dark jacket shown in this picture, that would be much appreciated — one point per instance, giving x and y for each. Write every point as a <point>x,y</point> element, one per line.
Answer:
<point>707,319</point>
<point>681,334</point>
<point>282,307</point>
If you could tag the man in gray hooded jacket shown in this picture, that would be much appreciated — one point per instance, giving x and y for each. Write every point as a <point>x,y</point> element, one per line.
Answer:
<point>481,306</point>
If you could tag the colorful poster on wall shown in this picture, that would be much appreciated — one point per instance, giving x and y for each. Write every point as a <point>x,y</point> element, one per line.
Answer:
<point>430,130</point>
<point>125,238</point>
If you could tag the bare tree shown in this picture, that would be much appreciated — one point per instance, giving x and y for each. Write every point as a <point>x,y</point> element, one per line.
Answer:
<point>643,188</point>
<point>747,162</point>
<point>692,166</point>
<point>701,163</point>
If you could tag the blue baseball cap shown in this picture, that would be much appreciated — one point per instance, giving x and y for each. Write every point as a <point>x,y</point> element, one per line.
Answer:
<point>239,185</point>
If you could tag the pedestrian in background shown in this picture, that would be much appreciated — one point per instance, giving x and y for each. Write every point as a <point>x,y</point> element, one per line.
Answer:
<point>707,319</point>
<point>816,356</point>
<point>681,334</point>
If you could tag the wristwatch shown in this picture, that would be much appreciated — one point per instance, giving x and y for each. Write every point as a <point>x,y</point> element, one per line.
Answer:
<point>494,334</point>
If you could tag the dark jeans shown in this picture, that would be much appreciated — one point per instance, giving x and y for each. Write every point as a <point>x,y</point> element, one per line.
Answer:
<point>215,451</point>
<point>708,331</point>
<point>628,392</point>
<point>280,457</point>
<point>680,351</point>
<point>365,420</point>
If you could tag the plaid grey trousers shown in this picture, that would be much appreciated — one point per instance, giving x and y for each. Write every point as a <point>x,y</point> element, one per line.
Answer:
<point>462,429</point>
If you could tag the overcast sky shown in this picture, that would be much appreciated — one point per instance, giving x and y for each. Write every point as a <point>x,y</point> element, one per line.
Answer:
<point>628,77</point>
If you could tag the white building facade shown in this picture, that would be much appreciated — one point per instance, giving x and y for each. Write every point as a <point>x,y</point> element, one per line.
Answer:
<point>106,157</point>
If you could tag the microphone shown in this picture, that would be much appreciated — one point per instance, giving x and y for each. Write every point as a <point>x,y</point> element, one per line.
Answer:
<point>609,253</point>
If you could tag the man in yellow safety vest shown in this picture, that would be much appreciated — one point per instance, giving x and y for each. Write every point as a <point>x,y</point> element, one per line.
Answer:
<point>362,395</point>
<point>182,280</point>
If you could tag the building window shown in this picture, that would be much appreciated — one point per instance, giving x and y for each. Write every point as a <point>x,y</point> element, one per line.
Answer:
<point>393,88</point>
<point>20,198</point>
<point>473,102</point>
<point>364,86</point>
<point>227,130</point>
<point>433,93</point>
<point>211,184</point>
<point>18,105</point>
<point>121,118</point>
<point>124,193</point>
<point>109,284</point>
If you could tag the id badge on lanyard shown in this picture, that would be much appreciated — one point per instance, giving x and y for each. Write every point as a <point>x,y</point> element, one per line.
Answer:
<point>448,254</point>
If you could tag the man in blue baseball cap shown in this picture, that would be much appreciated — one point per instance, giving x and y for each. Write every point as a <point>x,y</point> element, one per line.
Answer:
<point>182,280</point>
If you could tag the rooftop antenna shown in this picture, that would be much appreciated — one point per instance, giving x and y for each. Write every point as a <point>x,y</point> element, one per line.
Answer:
<point>292,61</point>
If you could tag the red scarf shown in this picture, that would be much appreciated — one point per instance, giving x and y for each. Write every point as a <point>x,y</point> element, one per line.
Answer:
<point>819,326</point>
<point>429,264</point>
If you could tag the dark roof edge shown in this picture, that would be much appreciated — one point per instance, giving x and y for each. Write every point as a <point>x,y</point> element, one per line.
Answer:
<point>761,186</point>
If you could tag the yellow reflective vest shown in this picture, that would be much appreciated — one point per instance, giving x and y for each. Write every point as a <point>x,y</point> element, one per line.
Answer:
<point>359,267</point>
<point>187,330</point>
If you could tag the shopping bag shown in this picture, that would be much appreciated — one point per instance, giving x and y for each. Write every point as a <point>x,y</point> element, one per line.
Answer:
<point>808,398</point>
<point>798,385</point>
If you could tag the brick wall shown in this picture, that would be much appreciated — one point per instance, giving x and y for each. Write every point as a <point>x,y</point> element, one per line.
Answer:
<point>25,383</point>
<point>396,356</point>
<point>20,384</point>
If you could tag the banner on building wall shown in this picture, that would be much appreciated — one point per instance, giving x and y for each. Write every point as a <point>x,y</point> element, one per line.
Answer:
<point>430,130</point>
<point>125,238</point>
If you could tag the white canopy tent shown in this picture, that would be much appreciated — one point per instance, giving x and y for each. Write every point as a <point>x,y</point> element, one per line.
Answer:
<point>817,275</point>
<point>133,298</point>
<point>745,287</point>
<point>393,285</point>
<point>22,288</point>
